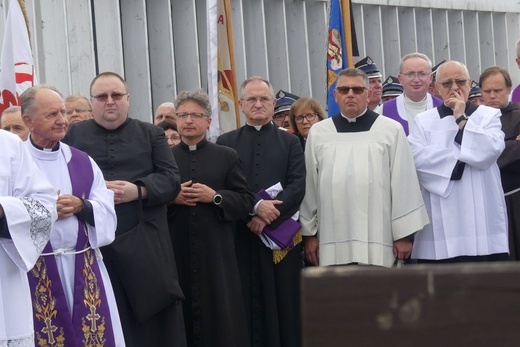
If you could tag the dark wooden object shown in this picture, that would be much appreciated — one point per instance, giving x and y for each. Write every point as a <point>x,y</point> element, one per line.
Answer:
<point>426,306</point>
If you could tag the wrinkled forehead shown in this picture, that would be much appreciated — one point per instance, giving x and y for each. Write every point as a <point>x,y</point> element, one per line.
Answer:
<point>451,70</point>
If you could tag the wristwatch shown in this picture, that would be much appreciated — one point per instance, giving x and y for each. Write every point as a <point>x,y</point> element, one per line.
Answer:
<point>217,199</point>
<point>462,117</point>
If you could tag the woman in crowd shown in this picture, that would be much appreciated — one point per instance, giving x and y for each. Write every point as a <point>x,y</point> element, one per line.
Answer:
<point>170,131</point>
<point>303,114</point>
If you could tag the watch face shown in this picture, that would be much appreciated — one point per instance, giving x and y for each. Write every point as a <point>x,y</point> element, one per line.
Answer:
<point>217,199</point>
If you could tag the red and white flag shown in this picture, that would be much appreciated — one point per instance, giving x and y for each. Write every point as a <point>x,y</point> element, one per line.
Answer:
<point>17,71</point>
<point>222,88</point>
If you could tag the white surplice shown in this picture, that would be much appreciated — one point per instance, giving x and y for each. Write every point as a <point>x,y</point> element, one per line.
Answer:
<point>29,204</point>
<point>468,216</point>
<point>65,231</point>
<point>362,192</point>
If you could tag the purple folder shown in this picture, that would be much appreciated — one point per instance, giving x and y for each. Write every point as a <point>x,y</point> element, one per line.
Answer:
<point>284,233</point>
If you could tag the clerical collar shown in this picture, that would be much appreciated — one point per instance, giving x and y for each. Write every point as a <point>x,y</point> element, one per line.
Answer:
<point>195,147</point>
<point>363,122</point>
<point>353,120</point>
<point>53,149</point>
<point>258,127</point>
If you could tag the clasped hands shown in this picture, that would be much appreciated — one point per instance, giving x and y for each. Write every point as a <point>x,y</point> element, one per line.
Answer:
<point>266,213</point>
<point>192,193</point>
<point>68,205</point>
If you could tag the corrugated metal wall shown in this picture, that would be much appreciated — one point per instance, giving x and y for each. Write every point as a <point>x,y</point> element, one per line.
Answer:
<point>160,45</point>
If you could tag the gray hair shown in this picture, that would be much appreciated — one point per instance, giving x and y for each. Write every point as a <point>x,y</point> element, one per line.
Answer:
<point>353,72</point>
<point>448,62</point>
<point>12,109</point>
<point>415,55</point>
<point>198,96</point>
<point>75,97</point>
<point>164,104</point>
<point>251,79</point>
<point>28,98</point>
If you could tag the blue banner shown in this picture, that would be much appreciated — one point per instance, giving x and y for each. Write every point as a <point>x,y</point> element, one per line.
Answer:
<point>336,54</point>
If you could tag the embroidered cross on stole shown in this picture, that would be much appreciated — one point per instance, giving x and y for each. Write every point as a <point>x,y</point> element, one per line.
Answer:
<point>89,324</point>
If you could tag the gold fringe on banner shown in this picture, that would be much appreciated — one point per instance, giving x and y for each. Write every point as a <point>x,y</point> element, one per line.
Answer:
<point>279,254</point>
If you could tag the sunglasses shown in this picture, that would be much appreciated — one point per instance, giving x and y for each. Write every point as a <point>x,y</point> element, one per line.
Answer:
<point>346,90</point>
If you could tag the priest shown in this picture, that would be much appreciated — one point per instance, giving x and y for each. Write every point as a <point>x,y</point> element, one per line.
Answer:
<point>213,196</point>
<point>27,211</point>
<point>362,202</point>
<point>133,154</point>
<point>73,300</point>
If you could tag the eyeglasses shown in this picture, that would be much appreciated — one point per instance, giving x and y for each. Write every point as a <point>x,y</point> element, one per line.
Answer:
<point>70,111</point>
<point>173,138</point>
<point>263,100</point>
<point>194,115</point>
<point>281,115</point>
<point>308,116</point>
<point>114,96</point>
<point>448,84</point>
<point>346,90</point>
<point>419,75</point>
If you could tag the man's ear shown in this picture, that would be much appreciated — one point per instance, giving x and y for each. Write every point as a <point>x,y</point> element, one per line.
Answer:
<point>28,121</point>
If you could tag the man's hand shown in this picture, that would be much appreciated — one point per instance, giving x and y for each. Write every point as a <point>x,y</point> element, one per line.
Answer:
<point>311,244</point>
<point>456,102</point>
<point>124,191</point>
<point>267,210</point>
<point>256,225</point>
<point>402,249</point>
<point>68,205</point>
<point>192,193</point>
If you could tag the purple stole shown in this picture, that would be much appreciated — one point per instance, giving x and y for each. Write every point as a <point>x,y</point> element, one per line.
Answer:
<point>390,110</point>
<point>90,323</point>
<point>515,97</point>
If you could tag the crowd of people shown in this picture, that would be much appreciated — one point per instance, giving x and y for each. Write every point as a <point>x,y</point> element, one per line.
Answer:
<point>118,232</point>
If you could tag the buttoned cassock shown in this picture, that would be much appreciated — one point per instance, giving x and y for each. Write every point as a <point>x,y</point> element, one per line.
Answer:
<point>271,291</point>
<point>136,152</point>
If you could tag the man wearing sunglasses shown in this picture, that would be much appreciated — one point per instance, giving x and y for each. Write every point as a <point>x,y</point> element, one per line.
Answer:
<point>415,76</point>
<point>456,147</point>
<point>133,153</point>
<point>362,202</point>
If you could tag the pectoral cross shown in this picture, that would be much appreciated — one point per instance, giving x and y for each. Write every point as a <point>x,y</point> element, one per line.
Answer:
<point>49,329</point>
<point>93,317</point>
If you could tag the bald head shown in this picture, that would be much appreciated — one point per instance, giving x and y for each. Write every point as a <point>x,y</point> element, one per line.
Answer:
<point>165,111</point>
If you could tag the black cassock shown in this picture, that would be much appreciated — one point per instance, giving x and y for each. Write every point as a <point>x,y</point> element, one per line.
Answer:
<point>509,164</point>
<point>136,152</point>
<point>271,291</point>
<point>204,244</point>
